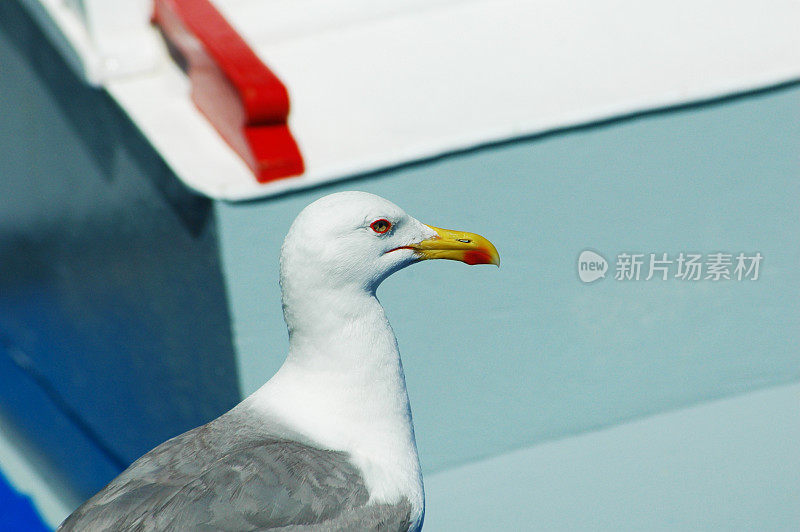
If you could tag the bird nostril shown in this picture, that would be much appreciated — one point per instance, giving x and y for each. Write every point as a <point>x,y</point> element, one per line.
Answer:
<point>465,240</point>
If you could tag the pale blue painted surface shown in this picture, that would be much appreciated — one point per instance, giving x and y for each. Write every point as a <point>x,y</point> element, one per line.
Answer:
<point>501,359</point>
<point>726,465</point>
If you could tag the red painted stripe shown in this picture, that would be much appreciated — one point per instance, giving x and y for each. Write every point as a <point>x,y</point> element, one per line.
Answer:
<point>232,87</point>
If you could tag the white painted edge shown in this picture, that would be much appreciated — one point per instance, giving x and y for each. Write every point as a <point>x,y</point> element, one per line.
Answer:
<point>691,51</point>
<point>206,164</point>
<point>111,40</point>
<point>25,478</point>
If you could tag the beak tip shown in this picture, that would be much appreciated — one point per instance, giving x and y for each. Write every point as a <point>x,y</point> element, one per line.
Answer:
<point>469,248</point>
<point>480,256</point>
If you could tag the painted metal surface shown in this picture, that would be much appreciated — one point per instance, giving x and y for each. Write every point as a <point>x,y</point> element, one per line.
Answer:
<point>378,84</point>
<point>16,510</point>
<point>24,472</point>
<point>113,318</point>
<point>100,40</point>
<point>92,219</point>
<point>532,353</point>
<point>725,465</point>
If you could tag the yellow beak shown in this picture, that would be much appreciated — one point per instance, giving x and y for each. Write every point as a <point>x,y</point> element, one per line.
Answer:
<point>457,245</point>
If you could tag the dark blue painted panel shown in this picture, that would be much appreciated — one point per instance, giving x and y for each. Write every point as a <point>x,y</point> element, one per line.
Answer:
<point>75,463</point>
<point>113,316</point>
<point>17,511</point>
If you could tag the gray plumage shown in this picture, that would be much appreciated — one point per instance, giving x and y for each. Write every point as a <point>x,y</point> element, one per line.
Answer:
<point>236,474</point>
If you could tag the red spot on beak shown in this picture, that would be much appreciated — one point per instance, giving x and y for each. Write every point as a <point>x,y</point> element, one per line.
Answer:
<point>477,256</point>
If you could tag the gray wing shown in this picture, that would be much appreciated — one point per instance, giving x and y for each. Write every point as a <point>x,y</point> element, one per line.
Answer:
<point>228,475</point>
<point>369,518</point>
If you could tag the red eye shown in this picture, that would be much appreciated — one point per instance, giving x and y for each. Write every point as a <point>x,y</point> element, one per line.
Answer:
<point>381,226</point>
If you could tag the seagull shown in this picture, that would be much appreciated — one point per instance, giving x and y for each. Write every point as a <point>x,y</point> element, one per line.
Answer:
<point>328,442</point>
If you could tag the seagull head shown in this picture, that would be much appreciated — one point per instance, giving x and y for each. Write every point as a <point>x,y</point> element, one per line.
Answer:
<point>357,239</point>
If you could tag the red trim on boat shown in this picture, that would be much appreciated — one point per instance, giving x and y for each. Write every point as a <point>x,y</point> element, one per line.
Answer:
<point>232,87</point>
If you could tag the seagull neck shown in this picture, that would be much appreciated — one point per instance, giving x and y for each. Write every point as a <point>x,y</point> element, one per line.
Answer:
<point>344,326</point>
<point>342,343</point>
<point>342,385</point>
